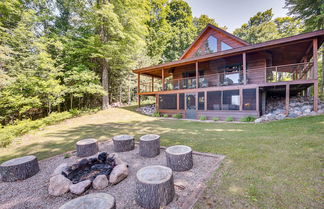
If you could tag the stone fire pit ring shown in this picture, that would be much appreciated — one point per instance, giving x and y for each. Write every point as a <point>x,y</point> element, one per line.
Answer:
<point>154,187</point>
<point>91,201</point>
<point>179,157</point>
<point>123,143</point>
<point>19,168</point>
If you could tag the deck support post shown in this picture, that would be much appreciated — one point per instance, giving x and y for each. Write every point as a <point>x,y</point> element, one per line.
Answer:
<point>178,102</point>
<point>205,101</point>
<point>197,76</point>
<point>152,83</point>
<point>244,68</point>
<point>157,103</point>
<point>163,80</point>
<point>257,101</point>
<point>139,89</point>
<point>315,75</point>
<point>196,101</point>
<point>241,99</point>
<point>287,98</point>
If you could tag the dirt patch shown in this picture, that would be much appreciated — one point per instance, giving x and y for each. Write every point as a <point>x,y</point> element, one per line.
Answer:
<point>32,192</point>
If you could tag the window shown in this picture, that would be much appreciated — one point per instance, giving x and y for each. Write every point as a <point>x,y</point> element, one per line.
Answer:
<point>168,101</point>
<point>214,100</point>
<point>211,45</point>
<point>181,101</point>
<point>225,46</point>
<point>231,100</point>
<point>201,100</point>
<point>249,99</point>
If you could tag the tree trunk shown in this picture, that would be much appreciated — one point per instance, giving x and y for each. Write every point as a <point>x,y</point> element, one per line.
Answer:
<point>71,100</point>
<point>322,89</point>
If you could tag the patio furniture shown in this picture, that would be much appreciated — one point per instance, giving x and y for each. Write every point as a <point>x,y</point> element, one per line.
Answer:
<point>179,157</point>
<point>87,147</point>
<point>123,143</point>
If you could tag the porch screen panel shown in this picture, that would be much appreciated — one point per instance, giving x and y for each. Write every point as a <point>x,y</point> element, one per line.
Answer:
<point>168,101</point>
<point>214,100</point>
<point>201,100</point>
<point>231,100</point>
<point>249,99</point>
<point>181,101</point>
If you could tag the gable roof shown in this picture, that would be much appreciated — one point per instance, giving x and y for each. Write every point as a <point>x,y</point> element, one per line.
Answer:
<point>210,26</point>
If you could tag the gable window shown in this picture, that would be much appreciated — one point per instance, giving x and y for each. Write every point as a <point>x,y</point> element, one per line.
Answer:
<point>209,46</point>
<point>225,46</point>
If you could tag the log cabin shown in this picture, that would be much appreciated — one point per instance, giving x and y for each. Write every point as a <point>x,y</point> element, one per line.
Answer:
<point>220,75</point>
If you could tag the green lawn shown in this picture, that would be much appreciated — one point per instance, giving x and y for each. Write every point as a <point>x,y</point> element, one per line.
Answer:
<point>272,165</point>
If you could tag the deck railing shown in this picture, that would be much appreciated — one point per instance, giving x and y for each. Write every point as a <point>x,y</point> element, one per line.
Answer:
<point>291,72</point>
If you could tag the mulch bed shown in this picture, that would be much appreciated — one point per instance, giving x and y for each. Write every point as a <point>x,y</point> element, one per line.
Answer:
<point>32,192</point>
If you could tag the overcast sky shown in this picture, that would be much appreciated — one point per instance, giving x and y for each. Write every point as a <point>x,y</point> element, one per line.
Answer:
<point>233,13</point>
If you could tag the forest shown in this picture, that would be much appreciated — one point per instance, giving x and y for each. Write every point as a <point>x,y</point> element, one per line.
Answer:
<point>58,55</point>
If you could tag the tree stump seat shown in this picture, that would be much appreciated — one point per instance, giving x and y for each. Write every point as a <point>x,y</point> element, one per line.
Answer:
<point>91,201</point>
<point>19,168</point>
<point>149,145</point>
<point>154,187</point>
<point>87,147</point>
<point>179,157</point>
<point>123,143</point>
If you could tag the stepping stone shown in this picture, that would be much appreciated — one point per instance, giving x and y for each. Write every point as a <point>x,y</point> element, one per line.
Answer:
<point>179,157</point>
<point>91,201</point>
<point>123,143</point>
<point>149,145</point>
<point>87,147</point>
<point>154,187</point>
<point>19,168</point>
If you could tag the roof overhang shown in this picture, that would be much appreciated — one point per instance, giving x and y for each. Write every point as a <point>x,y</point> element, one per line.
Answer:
<point>249,48</point>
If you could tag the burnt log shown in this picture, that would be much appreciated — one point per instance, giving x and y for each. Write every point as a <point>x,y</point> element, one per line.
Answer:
<point>123,143</point>
<point>149,145</point>
<point>179,158</point>
<point>87,147</point>
<point>154,187</point>
<point>19,168</point>
<point>91,201</point>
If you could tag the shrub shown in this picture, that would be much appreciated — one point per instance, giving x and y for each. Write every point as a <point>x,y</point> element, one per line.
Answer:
<point>156,114</point>
<point>229,119</point>
<point>67,155</point>
<point>203,117</point>
<point>166,115</point>
<point>248,119</point>
<point>215,118</point>
<point>178,116</point>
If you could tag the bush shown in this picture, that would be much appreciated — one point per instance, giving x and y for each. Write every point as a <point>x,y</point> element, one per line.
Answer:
<point>166,115</point>
<point>10,132</point>
<point>215,118</point>
<point>248,119</point>
<point>178,116</point>
<point>203,117</point>
<point>229,119</point>
<point>156,114</point>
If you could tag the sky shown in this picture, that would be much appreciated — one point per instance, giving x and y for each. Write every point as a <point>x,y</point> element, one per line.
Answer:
<point>233,13</point>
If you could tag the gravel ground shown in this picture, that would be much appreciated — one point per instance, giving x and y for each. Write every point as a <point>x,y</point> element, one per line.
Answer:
<point>32,192</point>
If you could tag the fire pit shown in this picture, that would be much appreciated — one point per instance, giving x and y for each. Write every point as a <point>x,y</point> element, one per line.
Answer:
<point>89,169</point>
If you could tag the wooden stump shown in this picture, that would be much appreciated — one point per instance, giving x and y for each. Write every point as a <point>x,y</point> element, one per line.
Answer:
<point>87,147</point>
<point>154,187</point>
<point>91,201</point>
<point>19,168</point>
<point>149,145</point>
<point>123,143</point>
<point>179,158</point>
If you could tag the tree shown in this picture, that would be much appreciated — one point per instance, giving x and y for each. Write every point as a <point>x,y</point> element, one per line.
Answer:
<point>312,13</point>
<point>179,16</point>
<point>202,21</point>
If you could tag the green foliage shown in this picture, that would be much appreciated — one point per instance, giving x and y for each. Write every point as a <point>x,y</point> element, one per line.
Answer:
<point>165,115</point>
<point>215,118</point>
<point>248,119</point>
<point>67,155</point>
<point>229,119</point>
<point>156,114</point>
<point>201,22</point>
<point>203,117</point>
<point>262,27</point>
<point>177,116</point>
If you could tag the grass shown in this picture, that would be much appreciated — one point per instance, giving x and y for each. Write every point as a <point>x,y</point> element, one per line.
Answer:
<point>271,165</point>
